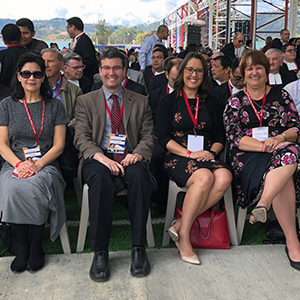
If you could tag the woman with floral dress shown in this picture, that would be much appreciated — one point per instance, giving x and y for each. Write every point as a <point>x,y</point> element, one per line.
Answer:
<point>262,128</point>
<point>189,127</point>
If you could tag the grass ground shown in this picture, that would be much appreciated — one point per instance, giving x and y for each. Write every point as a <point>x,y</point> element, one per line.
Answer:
<point>121,234</point>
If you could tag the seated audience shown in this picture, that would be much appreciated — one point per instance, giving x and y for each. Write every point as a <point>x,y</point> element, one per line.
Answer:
<point>189,126</point>
<point>31,185</point>
<point>289,68</point>
<point>262,128</point>
<point>274,77</point>
<point>220,69</point>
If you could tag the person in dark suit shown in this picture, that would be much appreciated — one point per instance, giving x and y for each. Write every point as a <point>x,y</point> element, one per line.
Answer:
<point>100,115</point>
<point>83,46</point>
<point>126,83</point>
<point>232,49</point>
<point>8,58</point>
<point>235,84</point>
<point>284,38</point>
<point>289,68</point>
<point>73,71</point>
<point>220,68</point>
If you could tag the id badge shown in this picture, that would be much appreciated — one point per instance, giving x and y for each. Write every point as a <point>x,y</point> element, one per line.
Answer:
<point>195,142</point>
<point>32,153</point>
<point>117,143</point>
<point>260,133</point>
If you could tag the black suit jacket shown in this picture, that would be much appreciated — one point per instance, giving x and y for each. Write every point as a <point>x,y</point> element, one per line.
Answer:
<point>228,50</point>
<point>222,93</point>
<point>148,74</point>
<point>276,43</point>
<point>157,81</point>
<point>131,86</point>
<point>154,98</point>
<point>85,84</point>
<point>286,75</point>
<point>86,50</point>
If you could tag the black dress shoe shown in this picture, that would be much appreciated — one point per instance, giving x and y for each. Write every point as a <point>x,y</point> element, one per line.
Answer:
<point>294,264</point>
<point>36,262</point>
<point>99,271</point>
<point>140,266</point>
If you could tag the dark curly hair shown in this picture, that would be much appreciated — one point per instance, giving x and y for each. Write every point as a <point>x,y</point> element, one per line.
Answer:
<point>17,90</point>
<point>206,85</point>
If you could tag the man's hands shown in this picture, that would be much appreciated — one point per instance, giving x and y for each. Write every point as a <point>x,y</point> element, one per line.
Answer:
<point>116,168</point>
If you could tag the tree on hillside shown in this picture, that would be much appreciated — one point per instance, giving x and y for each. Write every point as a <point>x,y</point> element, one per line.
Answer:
<point>124,35</point>
<point>141,36</point>
<point>102,34</point>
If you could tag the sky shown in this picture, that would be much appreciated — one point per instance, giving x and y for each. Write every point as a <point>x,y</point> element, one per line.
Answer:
<point>120,12</point>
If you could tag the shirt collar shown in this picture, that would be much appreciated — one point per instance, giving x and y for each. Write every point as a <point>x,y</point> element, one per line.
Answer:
<point>107,94</point>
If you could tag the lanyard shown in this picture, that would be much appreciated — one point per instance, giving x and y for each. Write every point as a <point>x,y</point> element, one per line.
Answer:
<point>77,41</point>
<point>13,45</point>
<point>153,71</point>
<point>230,88</point>
<point>194,119</point>
<point>259,117</point>
<point>125,83</point>
<point>31,122</point>
<point>121,113</point>
<point>61,80</point>
<point>168,90</point>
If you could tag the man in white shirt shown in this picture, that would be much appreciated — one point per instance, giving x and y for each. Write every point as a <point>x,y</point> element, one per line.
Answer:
<point>294,90</point>
<point>275,58</point>
<point>289,68</point>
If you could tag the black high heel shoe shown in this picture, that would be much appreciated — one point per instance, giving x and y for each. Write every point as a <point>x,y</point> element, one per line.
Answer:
<point>294,264</point>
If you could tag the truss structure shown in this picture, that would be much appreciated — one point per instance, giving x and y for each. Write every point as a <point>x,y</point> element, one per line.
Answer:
<point>219,19</point>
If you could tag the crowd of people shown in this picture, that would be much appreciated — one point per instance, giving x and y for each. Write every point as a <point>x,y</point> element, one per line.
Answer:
<point>138,121</point>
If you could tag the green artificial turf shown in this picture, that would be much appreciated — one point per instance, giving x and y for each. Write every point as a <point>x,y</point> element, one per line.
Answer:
<point>121,234</point>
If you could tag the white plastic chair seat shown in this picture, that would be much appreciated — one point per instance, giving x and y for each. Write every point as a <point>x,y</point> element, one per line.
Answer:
<point>84,217</point>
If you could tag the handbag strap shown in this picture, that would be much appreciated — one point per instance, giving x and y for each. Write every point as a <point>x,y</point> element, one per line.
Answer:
<point>212,213</point>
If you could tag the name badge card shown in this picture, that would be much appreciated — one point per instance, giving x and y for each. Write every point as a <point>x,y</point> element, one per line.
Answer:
<point>195,142</point>
<point>260,133</point>
<point>116,143</point>
<point>32,153</point>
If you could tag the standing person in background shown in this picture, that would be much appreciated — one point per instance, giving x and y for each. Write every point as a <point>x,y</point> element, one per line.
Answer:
<point>27,36</point>
<point>145,54</point>
<point>83,46</point>
<point>284,39</point>
<point>235,48</point>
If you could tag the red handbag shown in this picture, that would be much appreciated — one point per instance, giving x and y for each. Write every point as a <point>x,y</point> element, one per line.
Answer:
<point>209,230</point>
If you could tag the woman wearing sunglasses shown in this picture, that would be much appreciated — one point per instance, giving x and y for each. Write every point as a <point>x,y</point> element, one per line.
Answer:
<point>189,126</point>
<point>32,136</point>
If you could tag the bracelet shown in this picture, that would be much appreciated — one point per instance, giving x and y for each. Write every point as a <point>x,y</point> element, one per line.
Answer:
<point>188,154</point>
<point>213,153</point>
<point>284,135</point>
<point>17,164</point>
<point>263,148</point>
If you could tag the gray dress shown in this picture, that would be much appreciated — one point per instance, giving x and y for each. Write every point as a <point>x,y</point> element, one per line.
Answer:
<point>31,200</point>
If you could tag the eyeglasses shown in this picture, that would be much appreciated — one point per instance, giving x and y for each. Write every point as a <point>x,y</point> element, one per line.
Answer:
<point>241,41</point>
<point>291,50</point>
<point>191,70</point>
<point>77,67</point>
<point>27,74</point>
<point>115,68</point>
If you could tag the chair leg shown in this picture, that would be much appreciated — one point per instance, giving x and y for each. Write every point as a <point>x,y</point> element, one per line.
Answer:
<point>242,212</point>
<point>64,238</point>
<point>84,217</point>
<point>150,236</point>
<point>230,216</point>
<point>173,191</point>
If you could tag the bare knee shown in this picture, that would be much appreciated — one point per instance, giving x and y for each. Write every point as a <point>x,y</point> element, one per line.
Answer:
<point>202,178</point>
<point>223,178</point>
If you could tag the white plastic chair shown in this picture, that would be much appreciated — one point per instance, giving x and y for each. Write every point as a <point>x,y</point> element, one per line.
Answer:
<point>84,217</point>
<point>172,197</point>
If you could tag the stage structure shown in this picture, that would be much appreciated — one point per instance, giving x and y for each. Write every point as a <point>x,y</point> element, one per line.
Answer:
<point>218,20</point>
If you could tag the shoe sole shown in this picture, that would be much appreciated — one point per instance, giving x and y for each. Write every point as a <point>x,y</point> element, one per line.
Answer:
<point>260,214</point>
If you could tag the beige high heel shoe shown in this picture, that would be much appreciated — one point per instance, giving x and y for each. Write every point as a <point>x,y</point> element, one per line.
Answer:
<point>172,232</point>
<point>189,259</point>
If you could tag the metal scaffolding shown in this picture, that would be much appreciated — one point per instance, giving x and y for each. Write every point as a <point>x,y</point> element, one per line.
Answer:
<point>219,19</point>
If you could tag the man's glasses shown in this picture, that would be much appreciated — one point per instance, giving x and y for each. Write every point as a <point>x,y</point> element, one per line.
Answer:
<point>191,70</point>
<point>241,41</point>
<point>115,68</point>
<point>27,74</point>
<point>77,67</point>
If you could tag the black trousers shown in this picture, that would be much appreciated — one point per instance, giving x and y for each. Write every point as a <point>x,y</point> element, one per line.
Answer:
<point>102,192</point>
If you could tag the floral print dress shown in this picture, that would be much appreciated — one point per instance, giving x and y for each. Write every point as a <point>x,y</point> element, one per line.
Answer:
<point>250,168</point>
<point>174,122</point>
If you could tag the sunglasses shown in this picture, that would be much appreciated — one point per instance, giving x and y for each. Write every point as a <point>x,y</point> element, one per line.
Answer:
<point>27,74</point>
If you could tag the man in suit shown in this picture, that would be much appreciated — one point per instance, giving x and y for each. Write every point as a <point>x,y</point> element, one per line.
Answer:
<point>235,48</point>
<point>83,46</point>
<point>27,36</point>
<point>126,83</point>
<point>73,71</point>
<point>102,115</point>
<point>284,38</point>
<point>8,57</point>
<point>289,68</point>
<point>220,69</point>
<point>62,89</point>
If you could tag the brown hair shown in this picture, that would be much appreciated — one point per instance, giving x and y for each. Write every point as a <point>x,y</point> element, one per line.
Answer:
<point>252,58</point>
